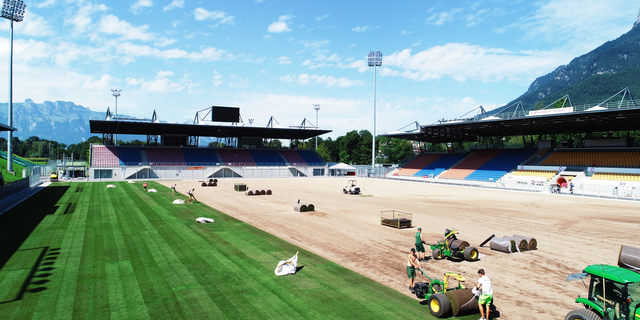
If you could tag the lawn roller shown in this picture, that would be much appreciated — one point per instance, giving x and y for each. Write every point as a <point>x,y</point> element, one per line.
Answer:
<point>444,301</point>
<point>451,247</point>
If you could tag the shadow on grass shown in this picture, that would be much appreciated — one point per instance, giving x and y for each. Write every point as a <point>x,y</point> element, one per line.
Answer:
<point>45,254</point>
<point>18,223</point>
<point>299,268</point>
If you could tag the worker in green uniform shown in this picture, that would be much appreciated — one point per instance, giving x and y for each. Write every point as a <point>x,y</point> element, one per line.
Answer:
<point>420,244</point>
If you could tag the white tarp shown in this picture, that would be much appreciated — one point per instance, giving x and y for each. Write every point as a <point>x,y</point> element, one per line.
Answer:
<point>204,220</point>
<point>342,166</point>
<point>287,267</point>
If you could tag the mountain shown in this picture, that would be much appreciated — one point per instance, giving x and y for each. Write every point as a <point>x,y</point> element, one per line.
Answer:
<point>592,77</point>
<point>61,121</point>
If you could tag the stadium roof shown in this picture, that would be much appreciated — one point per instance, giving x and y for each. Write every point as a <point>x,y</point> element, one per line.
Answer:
<point>4,127</point>
<point>199,130</point>
<point>597,119</point>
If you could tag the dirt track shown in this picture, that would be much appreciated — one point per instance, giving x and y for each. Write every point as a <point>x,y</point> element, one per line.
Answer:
<point>572,232</point>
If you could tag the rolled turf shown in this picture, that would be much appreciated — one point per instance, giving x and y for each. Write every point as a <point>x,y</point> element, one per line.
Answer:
<point>82,250</point>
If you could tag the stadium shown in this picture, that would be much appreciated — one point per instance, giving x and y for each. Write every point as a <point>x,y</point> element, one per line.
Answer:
<point>104,246</point>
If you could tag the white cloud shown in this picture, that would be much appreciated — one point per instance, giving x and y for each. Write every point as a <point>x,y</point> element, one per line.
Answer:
<point>82,20</point>
<point>217,79</point>
<point>137,7</point>
<point>361,29</point>
<point>441,18</point>
<point>201,14</point>
<point>318,18</point>
<point>281,25</point>
<point>585,30</point>
<point>238,82</point>
<point>110,24</point>
<point>406,32</point>
<point>284,60</point>
<point>164,74</point>
<point>314,45</point>
<point>164,42</point>
<point>463,62</point>
<point>328,81</point>
<point>45,4</point>
<point>174,4</point>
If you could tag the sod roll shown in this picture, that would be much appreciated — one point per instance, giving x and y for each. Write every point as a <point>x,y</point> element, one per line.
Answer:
<point>533,243</point>
<point>502,245</point>
<point>310,207</point>
<point>300,207</point>
<point>629,258</point>
<point>269,192</point>
<point>520,243</point>
<point>248,193</point>
<point>460,244</point>
<point>463,302</point>
<point>263,192</point>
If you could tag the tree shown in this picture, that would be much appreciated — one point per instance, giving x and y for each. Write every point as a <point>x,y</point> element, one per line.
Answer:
<point>394,150</point>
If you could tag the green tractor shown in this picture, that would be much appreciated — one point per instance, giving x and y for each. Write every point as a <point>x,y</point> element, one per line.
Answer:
<point>439,296</point>
<point>451,247</point>
<point>614,294</point>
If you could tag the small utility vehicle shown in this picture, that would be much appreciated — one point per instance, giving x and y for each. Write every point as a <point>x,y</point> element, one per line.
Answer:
<point>614,294</point>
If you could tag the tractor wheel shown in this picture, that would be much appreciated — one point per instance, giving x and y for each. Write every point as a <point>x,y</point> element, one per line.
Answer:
<point>439,305</point>
<point>344,191</point>
<point>471,253</point>
<point>582,314</point>
<point>436,254</point>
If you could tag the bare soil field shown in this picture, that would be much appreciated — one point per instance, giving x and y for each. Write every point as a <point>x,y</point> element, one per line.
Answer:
<point>572,232</point>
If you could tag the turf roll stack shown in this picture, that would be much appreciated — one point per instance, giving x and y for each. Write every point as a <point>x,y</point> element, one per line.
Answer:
<point>521,244</point>
<point>300,207</point>
<point>629,258</point>
<point>533,243</point>
<point>463,302</point>
<point>502,245</point>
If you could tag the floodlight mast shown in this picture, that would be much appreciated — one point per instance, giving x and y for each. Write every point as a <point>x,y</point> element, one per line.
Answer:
<point>116,93</point>
<point>13,10</point>
<point>316,107</point>
<point>374,60</point>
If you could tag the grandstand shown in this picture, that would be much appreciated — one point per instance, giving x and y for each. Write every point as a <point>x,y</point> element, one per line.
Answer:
<point>172,150</point>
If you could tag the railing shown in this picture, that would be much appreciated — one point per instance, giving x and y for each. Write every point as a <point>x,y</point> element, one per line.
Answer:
<point>214,164</point>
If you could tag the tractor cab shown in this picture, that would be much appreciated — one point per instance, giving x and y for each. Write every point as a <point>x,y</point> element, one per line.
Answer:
<point>614,294</point>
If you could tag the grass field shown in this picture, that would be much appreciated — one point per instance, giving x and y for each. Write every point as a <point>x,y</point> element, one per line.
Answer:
<point>80,250</point>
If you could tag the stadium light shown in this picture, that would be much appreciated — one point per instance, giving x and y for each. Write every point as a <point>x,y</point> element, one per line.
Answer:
<point>14,11</point>
<point>374,60</point>
<point>116,93</point>
<point>316,107</point>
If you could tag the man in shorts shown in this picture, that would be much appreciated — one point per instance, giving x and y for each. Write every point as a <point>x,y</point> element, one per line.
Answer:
<point>420,244</point>
<point>412,264</point>
<point>486,296</point>
<point>191,195</point>
<point>144,186</point>
<point>173,189</point>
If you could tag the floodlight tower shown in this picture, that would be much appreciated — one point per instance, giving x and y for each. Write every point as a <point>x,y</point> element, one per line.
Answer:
<point>316,107</point>
<point>374,60</point>
<point>14,11</point>
<point>116,93</point>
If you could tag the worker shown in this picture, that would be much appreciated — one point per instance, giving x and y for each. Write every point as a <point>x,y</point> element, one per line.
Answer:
<point>420,244</point>
<point>412,265</point>
<point>484,284</point>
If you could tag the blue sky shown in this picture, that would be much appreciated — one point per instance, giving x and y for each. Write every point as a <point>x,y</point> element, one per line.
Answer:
<point>278,58</point>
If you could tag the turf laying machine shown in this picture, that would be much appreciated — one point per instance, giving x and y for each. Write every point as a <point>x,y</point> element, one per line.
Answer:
<point>351,188</point>
<point>451,247</point>
<point>444,301</point>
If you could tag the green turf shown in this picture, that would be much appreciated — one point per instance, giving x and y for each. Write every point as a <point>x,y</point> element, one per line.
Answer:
<point>80,250</point>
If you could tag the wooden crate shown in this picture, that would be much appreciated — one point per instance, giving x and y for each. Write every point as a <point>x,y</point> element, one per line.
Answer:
<point>396,219</point>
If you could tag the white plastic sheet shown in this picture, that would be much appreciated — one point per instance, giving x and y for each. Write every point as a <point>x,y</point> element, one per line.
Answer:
<point>287,267</point>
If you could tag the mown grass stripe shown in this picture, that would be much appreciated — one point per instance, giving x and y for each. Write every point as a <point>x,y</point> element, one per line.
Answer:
<point>125,298</point>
